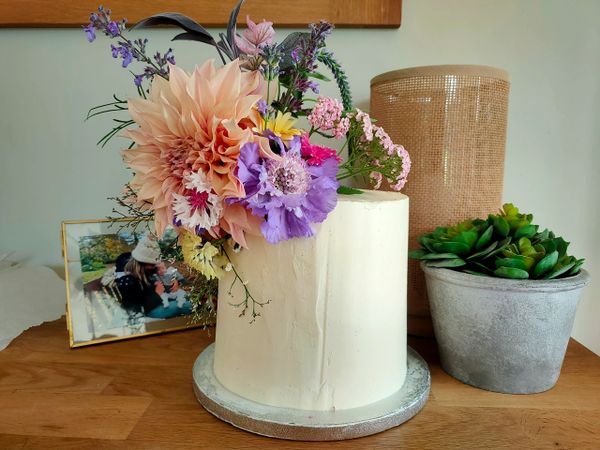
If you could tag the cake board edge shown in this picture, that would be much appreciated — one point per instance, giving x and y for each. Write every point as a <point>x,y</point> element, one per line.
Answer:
<point>306,425</point>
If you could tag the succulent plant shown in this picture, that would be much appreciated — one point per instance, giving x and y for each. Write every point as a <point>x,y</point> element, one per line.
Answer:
<point>506,245</point>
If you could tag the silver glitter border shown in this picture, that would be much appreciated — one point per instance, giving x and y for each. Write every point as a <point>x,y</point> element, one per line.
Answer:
<point>306,425</point>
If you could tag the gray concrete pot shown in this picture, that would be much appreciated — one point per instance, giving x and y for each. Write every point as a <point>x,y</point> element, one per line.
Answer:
<point>502,335</point>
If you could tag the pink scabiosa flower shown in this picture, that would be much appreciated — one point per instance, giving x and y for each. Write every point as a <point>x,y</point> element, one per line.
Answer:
<point>316,155</point>
<point>287,193</point>
<point>198,208</point>
<point>255,37</point>
<point>326,115</point>
<point>193,123</point>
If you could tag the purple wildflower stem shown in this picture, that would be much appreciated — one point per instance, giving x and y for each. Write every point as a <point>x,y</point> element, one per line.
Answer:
<point>126,49</point>
<point>305,62</point>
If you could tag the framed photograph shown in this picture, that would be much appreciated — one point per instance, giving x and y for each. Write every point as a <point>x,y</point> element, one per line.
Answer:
<point>123,282</point>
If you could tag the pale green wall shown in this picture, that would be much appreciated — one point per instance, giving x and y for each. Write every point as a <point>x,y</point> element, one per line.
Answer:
<point>50,169</point>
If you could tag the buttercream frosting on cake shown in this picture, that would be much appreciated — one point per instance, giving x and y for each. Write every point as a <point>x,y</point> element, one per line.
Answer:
<point>334,333</point>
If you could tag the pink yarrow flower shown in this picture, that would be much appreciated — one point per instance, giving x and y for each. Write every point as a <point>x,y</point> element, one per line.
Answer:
<point>341,128</point>
<point>314,155</point>
<point>255,36</point>
<point>377,179</point>
<point>367,125</point>
<point>395,160</point>
<point>326,115</point>
<point>406,165</point>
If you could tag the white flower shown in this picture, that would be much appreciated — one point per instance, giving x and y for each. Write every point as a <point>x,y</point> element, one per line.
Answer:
<point>228,267</point>
<point>198,207</point>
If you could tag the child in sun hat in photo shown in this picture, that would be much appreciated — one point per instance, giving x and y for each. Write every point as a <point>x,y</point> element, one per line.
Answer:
<point>171,280</point>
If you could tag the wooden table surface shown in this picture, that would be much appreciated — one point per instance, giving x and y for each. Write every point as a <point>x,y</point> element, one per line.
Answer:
<point>138,394</point>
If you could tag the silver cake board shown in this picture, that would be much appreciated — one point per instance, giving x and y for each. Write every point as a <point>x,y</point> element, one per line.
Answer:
<point>304,425</point>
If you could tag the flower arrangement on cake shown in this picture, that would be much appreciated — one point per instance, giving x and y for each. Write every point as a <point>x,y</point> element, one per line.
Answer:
<point>218,152</point>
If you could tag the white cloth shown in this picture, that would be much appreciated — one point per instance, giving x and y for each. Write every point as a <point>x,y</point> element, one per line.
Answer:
<point>29,296</point>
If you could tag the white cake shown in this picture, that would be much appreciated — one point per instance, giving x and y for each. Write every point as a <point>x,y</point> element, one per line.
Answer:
<point>334,334</point>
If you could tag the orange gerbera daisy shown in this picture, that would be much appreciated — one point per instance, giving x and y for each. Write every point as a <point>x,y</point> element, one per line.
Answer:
<point>194,123</point>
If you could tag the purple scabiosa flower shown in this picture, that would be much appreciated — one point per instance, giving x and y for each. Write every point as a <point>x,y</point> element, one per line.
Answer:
<point>289,193</point>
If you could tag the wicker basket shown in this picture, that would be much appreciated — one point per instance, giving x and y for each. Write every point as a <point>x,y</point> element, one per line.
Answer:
<point>452,121</point>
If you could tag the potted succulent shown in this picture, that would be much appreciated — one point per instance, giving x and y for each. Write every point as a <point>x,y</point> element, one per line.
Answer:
<point>503,297</point>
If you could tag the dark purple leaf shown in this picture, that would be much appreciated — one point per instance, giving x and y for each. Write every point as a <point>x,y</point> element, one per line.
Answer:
<point>226,44</point>
<point>288,45</point>
<point>226,48</point>
<point>231,27</point>
<point>194,37</point>
<point>179,20</point>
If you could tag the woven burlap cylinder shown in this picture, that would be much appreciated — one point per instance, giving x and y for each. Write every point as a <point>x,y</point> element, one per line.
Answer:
<point>452,120</point>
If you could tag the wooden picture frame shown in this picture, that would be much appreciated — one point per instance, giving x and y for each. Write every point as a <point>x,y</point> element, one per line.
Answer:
<point>209,13</point>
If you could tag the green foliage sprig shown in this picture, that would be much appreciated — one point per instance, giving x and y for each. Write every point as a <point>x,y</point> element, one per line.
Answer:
<point>203,297</point>
<point>328,60</point>
<point>506,245</point>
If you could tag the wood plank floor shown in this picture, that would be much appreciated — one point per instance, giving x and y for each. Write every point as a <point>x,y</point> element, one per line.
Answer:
<point>137,394</point>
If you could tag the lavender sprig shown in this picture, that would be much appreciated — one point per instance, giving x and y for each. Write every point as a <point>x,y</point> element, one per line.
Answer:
<point>271,56</point>
<point>304,64</point>
<point>128,50</point>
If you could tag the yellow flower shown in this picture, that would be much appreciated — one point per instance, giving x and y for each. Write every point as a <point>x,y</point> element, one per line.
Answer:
<point>282,126</point>
<point>202,257</point>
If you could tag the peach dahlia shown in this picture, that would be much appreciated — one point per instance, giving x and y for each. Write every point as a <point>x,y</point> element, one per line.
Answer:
<point>194,123</point>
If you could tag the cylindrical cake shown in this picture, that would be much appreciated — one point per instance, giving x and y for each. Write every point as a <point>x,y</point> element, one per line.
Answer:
<point>334,333</point>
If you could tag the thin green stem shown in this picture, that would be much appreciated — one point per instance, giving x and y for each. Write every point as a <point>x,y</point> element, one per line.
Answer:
<point>98,113</point>
<point>107,137</point>
<point>247,295</point>
<point>266,119</point>
<point>350,173</point>
<point>343,147</point>
<point>320,133</point>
